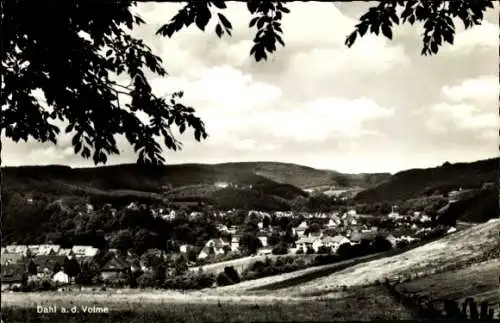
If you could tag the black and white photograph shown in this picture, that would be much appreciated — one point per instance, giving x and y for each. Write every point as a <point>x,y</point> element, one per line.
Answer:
<point>249,161</point>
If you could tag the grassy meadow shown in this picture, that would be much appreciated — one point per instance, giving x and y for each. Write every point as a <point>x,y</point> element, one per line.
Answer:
<point>368,303</point>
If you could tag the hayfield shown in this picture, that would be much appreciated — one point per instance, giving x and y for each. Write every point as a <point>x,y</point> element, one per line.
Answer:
<point>375,303</point>
<point>480,281</point>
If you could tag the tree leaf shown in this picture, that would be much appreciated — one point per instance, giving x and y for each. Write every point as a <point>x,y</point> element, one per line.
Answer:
<point>219,31</point>
<point>386,30</point>
<point>203,18</point>
<point>253,21</point>
<point>219,4</point>
<point>226,23</point>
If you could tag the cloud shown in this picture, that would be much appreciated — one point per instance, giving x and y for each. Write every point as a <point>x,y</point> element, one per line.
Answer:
<point>470,109</point>
<point>465,115</point>
<point>477,38</point>
<point>377,106</point>
<point>323,118</point>
<point>480,89</point>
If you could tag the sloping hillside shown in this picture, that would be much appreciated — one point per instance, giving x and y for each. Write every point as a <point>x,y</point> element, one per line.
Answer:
<point>262,185</point>
<point>469,246</point>
<point>480,207</point>
<point>417,182</point>
<point>157,178</point>
<point>307,177</point>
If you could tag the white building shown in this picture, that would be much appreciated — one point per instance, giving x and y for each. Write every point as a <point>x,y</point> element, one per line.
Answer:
<point>221,184</point>
<point>235,244</point>
<point>263,240</point>
<point>214,247</point>
<point>305,242</point>
<point>300,230</point>
<point>61,278</point>
<point>84,251</point>
<point>335,242</point>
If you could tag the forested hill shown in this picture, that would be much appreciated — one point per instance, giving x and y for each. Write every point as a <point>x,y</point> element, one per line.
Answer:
<point>437,180</point>
<point>157,179</point>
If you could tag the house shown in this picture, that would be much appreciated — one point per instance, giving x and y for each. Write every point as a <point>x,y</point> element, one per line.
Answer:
<point>61,278</point>
<point>389,237</point>
<point>488,185</point>
<point>216,243</point>
<point>357,237</point>
<point>301,229</point>
<point>132,206</point>
<point>222,228</point>
<point>335,242</point>
<point>114,268</point>
<point>183,248</point>
<point>47,249</point>
<point>19,249</point>
<point>14,276</point>
<point>137,265</point>
<point>68,252</point>
<point>332,224</point>
<point>84,251</point>
<point>451,230</point>
<point>214,247</point>
<point>263,240</point>
<point>235,243</point>
<point>11,258</point>
<point>309,242</point>
<point>425,218</point>
<point>221,184</point>
<point>265,251</point>
<point>49,263</point>
<point>317,234</point>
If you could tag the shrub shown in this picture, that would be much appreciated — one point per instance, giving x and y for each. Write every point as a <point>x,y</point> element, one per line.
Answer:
<point>205,280</point>
<point>300,263</point>
<point>324,250</point>
<point>146,280</point>
<point>223,279</point>
<point>402,244</point>
<point>232,274</point>
<point>85,278</point>
<point>325,259</point>
<point>46,285</point>
<point>280,249</point>
<point>257,266</point>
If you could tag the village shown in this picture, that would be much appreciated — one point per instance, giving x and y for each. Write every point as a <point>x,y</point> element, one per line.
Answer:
<point>52,266</point>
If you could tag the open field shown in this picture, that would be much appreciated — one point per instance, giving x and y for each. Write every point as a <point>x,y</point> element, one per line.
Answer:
<point>479,281</point>
<point>459,248</point>
<point>196,307</point>
<point>241,264</point>
<point>288,279</point>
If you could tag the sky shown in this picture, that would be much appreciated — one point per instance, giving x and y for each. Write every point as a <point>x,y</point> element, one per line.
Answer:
<point>376,107</point>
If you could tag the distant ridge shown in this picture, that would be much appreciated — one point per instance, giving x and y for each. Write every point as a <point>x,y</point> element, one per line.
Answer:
<point>442,179</point>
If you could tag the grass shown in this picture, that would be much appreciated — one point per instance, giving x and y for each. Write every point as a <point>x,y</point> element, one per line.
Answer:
<point>479,281</point>
<point>241,264</point>
<point>296,278</point>
<point>371,303</point>
<point>462,247</point>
